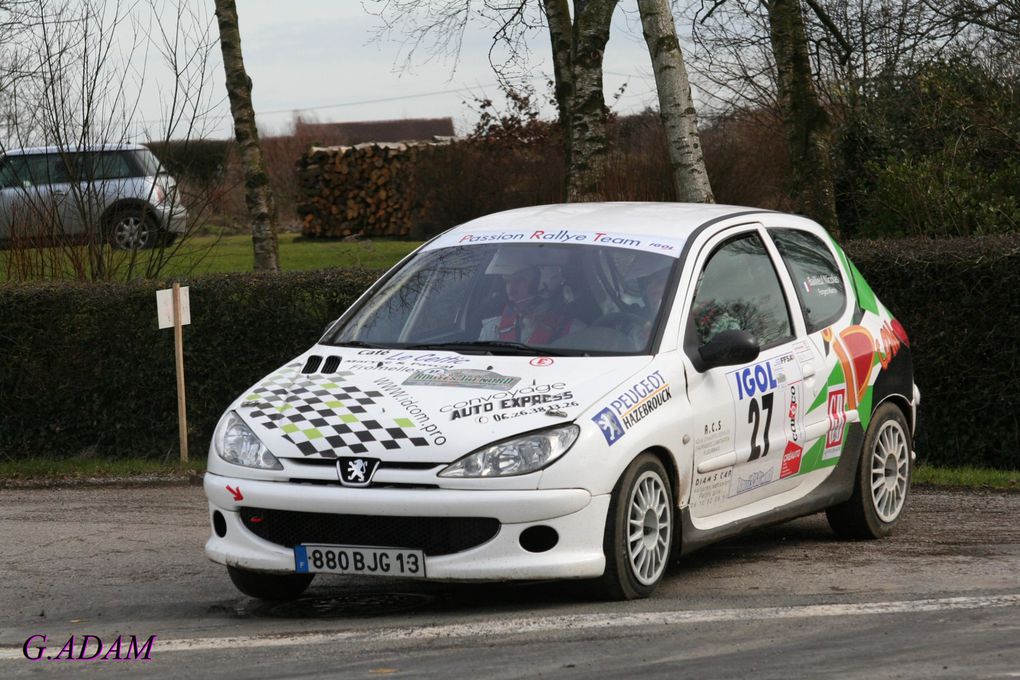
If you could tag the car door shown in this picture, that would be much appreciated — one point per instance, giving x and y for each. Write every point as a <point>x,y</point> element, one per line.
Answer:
<point>8,196</point>
<point>840,367</point>
<point>36,200</point>
<point>742,413</point>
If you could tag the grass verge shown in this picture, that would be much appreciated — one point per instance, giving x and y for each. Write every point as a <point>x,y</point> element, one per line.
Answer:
<point>74,470</point>
<point>967,477</point>
<point>210,255</point>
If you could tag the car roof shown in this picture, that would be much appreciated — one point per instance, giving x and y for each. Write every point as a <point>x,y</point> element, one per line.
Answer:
<point>31,150</point>
<point>668,220</point>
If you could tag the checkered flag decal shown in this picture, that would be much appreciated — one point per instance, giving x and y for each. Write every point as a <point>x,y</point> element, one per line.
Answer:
<point>324,414</point>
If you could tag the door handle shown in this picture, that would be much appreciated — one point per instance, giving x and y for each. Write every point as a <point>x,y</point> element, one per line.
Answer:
<point>808,369</point>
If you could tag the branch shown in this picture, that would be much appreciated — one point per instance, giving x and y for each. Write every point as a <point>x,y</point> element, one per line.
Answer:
<point>830,26</point>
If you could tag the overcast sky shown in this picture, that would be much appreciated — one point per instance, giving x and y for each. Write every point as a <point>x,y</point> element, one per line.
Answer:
<point>321,57</point>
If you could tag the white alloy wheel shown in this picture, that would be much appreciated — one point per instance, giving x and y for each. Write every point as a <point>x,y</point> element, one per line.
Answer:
<point>648,528</point>
<point>890,461</point>
<point>882,483</point>
<point>638,540</point>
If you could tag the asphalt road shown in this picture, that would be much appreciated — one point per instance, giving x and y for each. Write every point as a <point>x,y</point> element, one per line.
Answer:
<point>940,599</point>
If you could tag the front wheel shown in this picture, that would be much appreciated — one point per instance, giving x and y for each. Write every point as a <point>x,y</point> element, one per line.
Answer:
<point>639,531</point>
<point>269,586</point>
<point>883,479</point>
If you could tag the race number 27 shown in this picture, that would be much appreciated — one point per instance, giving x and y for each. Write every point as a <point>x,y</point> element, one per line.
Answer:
<point>754,416</point>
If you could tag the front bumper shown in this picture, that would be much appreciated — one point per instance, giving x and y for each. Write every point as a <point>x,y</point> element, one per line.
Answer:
<point>577,516</point>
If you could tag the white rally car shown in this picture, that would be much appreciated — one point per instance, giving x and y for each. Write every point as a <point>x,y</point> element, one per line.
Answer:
<point>575,391</point>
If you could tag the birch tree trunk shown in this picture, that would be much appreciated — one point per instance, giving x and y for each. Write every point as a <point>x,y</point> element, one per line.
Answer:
<point>257,193</point>
<point>807,123</point>
<point>588,146</point>
<point>676,108</point>
<point>557,15</point>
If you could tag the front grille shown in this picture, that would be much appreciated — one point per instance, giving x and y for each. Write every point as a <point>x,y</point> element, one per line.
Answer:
<point>373,485</point>
<point>432,535</point>
<point>383,465</point>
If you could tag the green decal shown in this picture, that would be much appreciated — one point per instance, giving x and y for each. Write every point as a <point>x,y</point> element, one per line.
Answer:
<point>253,397</point>
<point>403,422</point>
<point>334,404</point>
<point>865,296</point>
<point>348,418</point>
<point>813,460</point>
<point>864,407</point>
<point>836,377</point>
<point>312,434</point>
<point>283,408</point>
<point>290,428</point>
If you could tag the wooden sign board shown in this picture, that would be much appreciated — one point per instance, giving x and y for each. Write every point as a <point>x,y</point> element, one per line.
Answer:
<point>165,307</point>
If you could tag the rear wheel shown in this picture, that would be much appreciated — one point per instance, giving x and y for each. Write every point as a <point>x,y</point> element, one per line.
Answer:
<point>269,586</point>
<point>883,479</point>
<point>639,531</point>
<point>133,230</point>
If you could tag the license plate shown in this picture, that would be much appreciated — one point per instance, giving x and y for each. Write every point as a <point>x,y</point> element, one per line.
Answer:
<point>348,559</point>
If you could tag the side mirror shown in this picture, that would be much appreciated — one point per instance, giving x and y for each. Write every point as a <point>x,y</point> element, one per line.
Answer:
<point>730,348</point>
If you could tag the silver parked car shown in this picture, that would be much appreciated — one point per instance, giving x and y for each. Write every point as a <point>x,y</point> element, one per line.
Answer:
<point>119,192</point>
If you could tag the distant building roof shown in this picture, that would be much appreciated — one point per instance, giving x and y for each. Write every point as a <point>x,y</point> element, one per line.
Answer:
<point>349,134</point>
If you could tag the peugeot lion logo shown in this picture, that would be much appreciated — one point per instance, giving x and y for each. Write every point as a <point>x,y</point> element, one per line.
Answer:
<point>356,471</point>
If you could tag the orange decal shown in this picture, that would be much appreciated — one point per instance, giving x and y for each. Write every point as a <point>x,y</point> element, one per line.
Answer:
<point>855,349</point>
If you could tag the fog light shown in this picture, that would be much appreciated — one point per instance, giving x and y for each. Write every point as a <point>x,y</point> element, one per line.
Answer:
<point>539,539</point>
<point>219,524</point>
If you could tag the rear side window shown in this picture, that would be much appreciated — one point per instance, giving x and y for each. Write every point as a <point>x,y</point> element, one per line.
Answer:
<point>820,287</point>
<point>739,290</point>
<point>109,165</point>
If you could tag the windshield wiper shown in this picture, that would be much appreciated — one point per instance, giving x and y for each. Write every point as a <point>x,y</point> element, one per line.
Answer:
<point>505,346</point>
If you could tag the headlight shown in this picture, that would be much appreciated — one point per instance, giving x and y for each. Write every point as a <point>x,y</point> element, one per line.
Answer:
<point>237,444</point>
<point>515,457</point>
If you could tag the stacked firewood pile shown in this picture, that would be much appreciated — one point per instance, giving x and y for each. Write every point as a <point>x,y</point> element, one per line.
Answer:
<point>362,190</point>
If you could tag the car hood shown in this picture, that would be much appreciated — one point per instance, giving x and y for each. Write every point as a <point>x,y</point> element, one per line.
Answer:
<point>419,406</point>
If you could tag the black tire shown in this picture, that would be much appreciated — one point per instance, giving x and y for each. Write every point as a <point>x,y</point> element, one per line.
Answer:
<point>133,230</point>
<point>880,493</point>
<point>621,580</point>
<point>269,586</point>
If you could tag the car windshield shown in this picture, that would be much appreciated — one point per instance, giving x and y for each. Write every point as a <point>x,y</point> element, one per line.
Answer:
<point>517,298</point>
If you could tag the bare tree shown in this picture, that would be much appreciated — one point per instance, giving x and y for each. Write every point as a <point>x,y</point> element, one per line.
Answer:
<point>72,76</point>
<point>676,107</point>
<point>557,14</point>
<point>807,122</point>
<point>258,193</point>
<point>578,45</point>
<point>588,144</point>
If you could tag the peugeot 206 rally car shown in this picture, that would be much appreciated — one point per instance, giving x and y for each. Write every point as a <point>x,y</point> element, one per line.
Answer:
<point>579,391</point>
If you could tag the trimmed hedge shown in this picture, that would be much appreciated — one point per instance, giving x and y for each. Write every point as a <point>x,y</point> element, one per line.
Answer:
<point>959,300</point>
<point>84,370</point>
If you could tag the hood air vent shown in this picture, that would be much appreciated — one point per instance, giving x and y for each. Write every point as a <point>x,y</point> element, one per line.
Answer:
<point>312,365</point>
<point>332,363</point>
